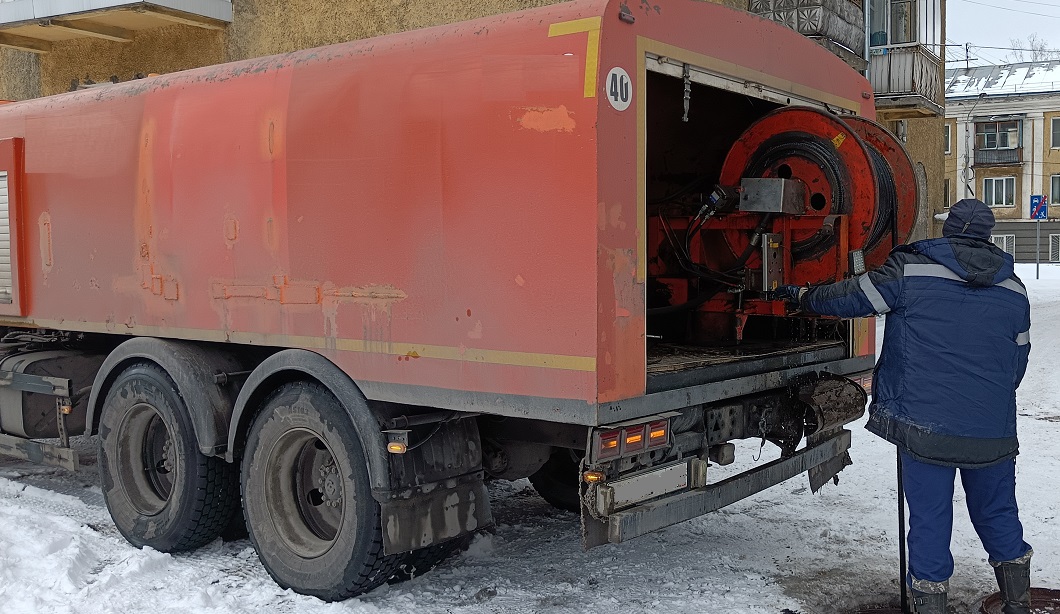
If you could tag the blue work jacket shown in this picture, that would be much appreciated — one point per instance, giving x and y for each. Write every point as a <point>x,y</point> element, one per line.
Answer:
<point>955,348</point>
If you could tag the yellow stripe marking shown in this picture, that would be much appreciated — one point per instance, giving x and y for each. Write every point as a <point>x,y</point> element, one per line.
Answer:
<point>561,362</point>
<point>592,49</point>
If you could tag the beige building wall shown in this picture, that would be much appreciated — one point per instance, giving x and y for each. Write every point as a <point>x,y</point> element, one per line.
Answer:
<point>924,140</point>
<point>258,28</point>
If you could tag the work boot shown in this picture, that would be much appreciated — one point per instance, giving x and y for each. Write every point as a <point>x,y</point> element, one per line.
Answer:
<point>928,603</point>
<point>1014,580</point>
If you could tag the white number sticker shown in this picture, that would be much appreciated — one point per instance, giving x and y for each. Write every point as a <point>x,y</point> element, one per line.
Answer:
<point>619,89</point>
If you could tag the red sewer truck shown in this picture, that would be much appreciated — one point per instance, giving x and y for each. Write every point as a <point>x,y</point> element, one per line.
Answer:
<point>344,287</point>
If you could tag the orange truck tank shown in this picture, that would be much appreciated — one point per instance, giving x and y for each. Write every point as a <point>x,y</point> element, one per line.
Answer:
<point>355,281</point>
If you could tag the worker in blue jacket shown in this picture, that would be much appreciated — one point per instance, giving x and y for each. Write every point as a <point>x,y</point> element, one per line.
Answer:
<point>955,350</point>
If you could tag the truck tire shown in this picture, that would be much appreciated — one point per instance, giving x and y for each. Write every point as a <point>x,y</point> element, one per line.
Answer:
<point>422,560</point>
<point>557,481</point>
<point>160,489</point>
<point>307,498</point>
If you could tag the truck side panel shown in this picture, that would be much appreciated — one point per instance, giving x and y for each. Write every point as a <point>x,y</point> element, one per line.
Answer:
<point>420,209</point>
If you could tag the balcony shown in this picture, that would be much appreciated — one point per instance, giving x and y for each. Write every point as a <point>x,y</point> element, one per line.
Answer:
<point>907,81</point>
<point>34,25</point>
<point>998,157</point>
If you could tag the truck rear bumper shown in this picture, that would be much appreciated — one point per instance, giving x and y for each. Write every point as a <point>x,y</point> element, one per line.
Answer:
<point>645,518</point>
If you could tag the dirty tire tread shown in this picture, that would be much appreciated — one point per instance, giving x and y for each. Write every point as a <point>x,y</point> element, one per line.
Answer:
<point>215,504</point>
<point>422,560</point>
<point>210,481</point>
<point>376,567</point>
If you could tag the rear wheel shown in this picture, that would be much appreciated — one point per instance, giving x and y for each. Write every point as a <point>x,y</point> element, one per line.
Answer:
<point>307,497</point>
<point>557,480</point>
<point>160,490</point>
<point>419,562</point>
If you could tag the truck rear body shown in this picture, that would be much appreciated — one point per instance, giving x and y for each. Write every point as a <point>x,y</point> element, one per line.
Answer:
<point>460,219</point>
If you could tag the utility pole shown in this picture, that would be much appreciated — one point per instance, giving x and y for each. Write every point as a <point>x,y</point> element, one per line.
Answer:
<point>967,56</point>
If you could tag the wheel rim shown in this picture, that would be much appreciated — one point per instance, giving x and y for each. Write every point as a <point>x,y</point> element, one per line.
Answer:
<point>304,492</point>
<point>147,459</point>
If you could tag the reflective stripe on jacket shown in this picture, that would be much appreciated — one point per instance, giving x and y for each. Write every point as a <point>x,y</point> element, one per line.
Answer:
<point>955,349</point>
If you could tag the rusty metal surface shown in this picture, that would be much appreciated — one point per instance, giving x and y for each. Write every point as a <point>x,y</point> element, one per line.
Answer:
<point>625,525</point>
<point>669,357</point>
<point>1043,601</point>
<point>38,452</point>
<point>454,207</point>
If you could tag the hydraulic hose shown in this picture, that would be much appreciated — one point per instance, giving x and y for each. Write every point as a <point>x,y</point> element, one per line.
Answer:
<point>712,290</point>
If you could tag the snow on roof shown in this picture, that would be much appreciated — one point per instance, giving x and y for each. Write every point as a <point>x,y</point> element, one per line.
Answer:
<point>1004,80</point>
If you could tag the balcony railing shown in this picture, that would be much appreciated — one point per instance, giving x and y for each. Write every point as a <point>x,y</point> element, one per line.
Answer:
<point>998,157</point>
<point>907,80</point>
<point>34,25</point>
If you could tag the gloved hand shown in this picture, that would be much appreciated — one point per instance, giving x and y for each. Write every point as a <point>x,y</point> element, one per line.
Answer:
<point>788,294</point>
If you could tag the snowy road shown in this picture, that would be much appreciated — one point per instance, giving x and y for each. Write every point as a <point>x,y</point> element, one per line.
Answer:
<point>783,548</point>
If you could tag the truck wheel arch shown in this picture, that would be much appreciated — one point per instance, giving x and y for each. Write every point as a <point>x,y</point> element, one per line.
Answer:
<point>192,369</point>
<point>296,364</point>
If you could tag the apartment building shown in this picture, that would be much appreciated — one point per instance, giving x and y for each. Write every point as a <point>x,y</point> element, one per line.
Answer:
<point>1002,146</point>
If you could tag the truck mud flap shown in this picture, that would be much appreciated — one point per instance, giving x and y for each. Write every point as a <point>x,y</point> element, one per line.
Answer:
<point>642,519</point>
<point>434,513</point>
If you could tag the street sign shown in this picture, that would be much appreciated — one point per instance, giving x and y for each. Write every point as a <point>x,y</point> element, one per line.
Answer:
<point>1039,208</point>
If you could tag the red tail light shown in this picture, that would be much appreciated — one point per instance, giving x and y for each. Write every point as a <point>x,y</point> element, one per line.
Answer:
<point>658,433</point>
<point>608,445</point>
<point>630,440</point>
<point>634,439</point>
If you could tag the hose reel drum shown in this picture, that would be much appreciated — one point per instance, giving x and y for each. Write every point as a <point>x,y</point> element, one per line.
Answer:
<point>856,184</point>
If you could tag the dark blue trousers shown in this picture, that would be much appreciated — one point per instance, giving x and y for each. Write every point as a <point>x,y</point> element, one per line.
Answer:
<point>991,496</point>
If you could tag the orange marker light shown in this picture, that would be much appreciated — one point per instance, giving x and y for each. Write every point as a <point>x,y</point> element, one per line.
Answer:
<point>396,447</point>
<point>634,438</point>
<point>657,433</point>
<point>592,477</point>
<point>609,444</point>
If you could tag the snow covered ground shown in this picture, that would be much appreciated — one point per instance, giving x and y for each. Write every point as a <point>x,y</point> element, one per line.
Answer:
<point>783,549</point>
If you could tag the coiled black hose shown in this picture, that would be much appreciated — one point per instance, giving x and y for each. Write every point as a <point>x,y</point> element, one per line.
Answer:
<point>886,198</point>
<point>821,152</point>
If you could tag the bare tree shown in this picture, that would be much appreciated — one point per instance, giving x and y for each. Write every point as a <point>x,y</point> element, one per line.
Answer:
<point>1032,49</point>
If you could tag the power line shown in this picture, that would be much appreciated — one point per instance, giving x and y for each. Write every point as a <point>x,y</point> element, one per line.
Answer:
<point>1015,48</point>
<point>1049,4</point>
<point>1005,8</point>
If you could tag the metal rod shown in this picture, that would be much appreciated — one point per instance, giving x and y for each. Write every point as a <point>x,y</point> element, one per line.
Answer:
<point>901,538</point>
<point>1038,249</point>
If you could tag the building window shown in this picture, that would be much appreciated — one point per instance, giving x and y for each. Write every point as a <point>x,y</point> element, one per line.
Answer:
<point>1054,191</point>
<point>1005,242</point>
<point>997,135</point>
<point>895,22</point>
<point>999,191</point>
<point>1054,248</point>
<point>1056,133</point>
<point>946,199</point>
<point>900,130</point>
<point>946,137</point>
